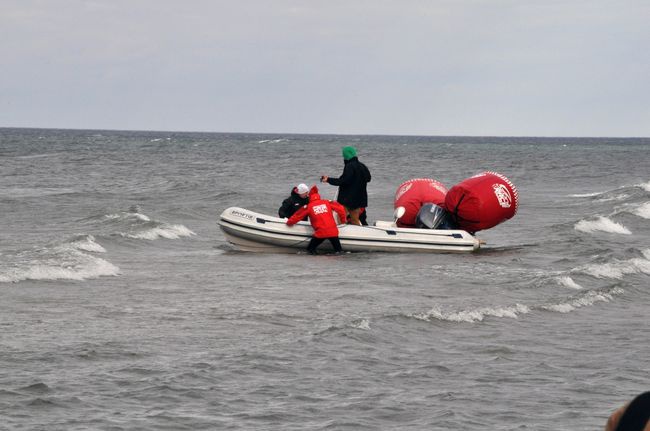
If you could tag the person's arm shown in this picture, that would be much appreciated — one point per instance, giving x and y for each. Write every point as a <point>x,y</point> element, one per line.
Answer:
<point>346,177</point>
<point>298,215</point>
<point>340,210</point>
<point>283,212</point>
<point>368,176</point>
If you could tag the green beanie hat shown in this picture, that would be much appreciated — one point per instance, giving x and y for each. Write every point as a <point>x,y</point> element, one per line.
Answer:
<point>349,152</point>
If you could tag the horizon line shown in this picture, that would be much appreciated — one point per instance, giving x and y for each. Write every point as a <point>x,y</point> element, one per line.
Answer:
<point>325,134</point>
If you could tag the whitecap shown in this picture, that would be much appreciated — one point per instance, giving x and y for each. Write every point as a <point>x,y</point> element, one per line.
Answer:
<point>87,243</point>
<point>586,195</point>
<point>127,216</point>
<point>363,324</point>
<point>165,231</point>
<point>84,267</point>
<point>618,269</point>
<point>643,210</point>
<point>645,186</point>
<point>601,224</point>
<point>473,315</point>
<point>588,299</point>
<point>567,281</point>
<point>620,197</point>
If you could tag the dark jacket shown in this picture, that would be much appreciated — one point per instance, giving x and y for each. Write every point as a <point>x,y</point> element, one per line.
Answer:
<point>292,204</point>
<point>352,184</point>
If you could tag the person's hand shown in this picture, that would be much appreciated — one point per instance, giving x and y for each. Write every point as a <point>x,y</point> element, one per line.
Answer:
<point>323,178</point>
<point>614,418</point>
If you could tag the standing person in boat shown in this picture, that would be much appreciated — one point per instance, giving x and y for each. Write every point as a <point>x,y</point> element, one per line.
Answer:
<point>299,198</point>
<point>353,193</point>
<point>321,217</point>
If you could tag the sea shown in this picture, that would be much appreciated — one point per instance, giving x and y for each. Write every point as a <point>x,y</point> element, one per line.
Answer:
<point>123,307</point>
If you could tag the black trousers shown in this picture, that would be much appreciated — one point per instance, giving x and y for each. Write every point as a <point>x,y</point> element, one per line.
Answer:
<point>315,242</point>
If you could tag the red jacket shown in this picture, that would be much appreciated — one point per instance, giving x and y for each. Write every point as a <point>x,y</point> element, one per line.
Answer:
<point>320,215</point>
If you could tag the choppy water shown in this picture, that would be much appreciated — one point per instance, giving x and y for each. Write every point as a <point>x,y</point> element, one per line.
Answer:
<point>122,306</point>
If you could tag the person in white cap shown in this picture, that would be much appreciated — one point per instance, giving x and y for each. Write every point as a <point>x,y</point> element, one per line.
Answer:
<point>298,199</point>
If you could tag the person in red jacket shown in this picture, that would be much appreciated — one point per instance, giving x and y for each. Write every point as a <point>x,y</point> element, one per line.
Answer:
<point>321,217</point>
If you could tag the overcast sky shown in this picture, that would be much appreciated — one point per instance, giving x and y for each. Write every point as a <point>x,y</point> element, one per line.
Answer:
<point>437,67</point>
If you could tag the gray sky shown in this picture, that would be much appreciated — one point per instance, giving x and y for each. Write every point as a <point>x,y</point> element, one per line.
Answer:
<point>437,67</point>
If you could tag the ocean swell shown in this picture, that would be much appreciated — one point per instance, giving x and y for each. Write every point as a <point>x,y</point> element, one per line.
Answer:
<point>617,269</point>
<point>602,224</point>
<point>68,261</point>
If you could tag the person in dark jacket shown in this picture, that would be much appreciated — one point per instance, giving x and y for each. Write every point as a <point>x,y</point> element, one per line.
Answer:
<point>298,199</point>
<point>353,194</point>
<point>633,416</point>
<point>321,216</point>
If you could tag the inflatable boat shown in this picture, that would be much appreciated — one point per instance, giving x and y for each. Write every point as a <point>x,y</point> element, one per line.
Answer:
<point>251,231</point>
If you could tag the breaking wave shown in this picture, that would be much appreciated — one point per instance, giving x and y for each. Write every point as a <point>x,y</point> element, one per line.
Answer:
<point>643,210</point>
<point>473,315</point>
<point>68,261</point>
<point>619,197</point>
<point>567,281</point>
<point>589,298</point>
<point>87,243</point>
<point>363,324</point>
<point>618,268</point>
<point>586,195</point>
<point>127,216</point>
<point>164,231</point>
<point>272,141</point>
<point>585,299</point>
<point>645,186</point>
<point>602,224</point>
<point>135,225</point>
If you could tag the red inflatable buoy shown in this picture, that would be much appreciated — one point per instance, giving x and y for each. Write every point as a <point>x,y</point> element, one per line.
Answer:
<point>482,201</point>
<point>413,193</point>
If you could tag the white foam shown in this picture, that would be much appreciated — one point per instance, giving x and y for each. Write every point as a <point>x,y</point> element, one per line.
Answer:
<point>88,243</point>
<point>588,299</point>
<point>618,269</point>
<point>85,267</point>
<point>363,324</point>
<point>567,281</point>
<point>643,210</point>
<point>614,198</point>
<point>645,186</point>
<point>601,224</point>
<point>127,216</point>
<point>585,195</point>
<point>474,315</point>
<point>175,231</point>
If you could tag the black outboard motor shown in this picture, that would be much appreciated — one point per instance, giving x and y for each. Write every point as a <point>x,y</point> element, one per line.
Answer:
<point>432,216</point>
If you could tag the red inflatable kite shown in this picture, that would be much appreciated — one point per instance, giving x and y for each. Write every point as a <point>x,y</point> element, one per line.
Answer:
<point>413,193</point>
<point>482,201</point>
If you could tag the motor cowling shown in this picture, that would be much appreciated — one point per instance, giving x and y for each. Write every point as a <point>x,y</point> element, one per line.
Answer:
<point>412,194</point>
<point>433,216</point>
<point>482,201</point>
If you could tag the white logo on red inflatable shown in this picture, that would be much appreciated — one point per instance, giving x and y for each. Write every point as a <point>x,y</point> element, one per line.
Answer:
<point>403,190</point>
<point>503,195</point>
<point>436,185</point>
